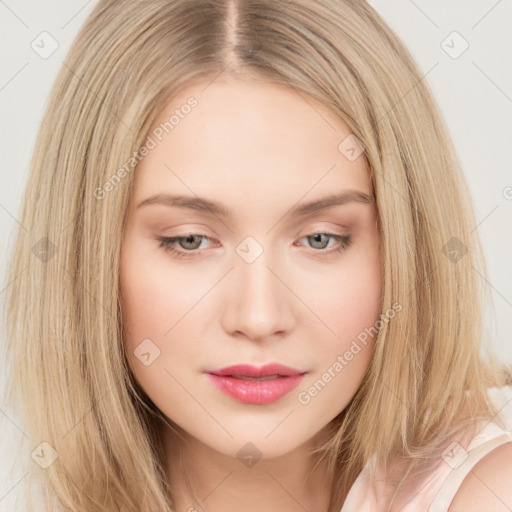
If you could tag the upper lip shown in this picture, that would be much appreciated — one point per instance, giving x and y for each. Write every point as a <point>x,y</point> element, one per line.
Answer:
<point>248,370</point>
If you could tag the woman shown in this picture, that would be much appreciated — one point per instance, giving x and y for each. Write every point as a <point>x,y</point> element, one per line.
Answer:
<point>252,277</point>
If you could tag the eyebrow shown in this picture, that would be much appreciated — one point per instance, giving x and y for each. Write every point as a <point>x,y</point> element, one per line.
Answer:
<point>216,208</point>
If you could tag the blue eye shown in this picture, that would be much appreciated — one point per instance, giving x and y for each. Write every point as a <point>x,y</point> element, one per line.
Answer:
<point>189,243</point>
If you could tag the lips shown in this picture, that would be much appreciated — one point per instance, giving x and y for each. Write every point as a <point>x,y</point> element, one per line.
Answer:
<point>247,370</point>
<point>258,386</point>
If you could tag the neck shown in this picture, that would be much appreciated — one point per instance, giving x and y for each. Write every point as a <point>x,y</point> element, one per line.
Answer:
<point>201,478</point>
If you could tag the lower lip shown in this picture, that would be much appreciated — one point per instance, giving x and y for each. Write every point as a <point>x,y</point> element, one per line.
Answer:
<point>258,392</point>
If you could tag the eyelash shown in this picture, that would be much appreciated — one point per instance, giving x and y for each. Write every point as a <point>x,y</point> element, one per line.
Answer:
<point>167,244</point>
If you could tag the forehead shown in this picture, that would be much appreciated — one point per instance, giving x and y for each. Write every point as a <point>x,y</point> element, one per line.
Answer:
<point>248,141</point>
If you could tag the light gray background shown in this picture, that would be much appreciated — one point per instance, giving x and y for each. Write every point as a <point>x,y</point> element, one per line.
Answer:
<point>473,90</point>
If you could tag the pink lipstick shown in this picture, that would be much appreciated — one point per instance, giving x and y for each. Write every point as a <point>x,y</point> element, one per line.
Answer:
<point>252,385</point>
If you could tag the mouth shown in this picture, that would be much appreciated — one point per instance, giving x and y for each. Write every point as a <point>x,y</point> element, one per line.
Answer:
<point>248,370</point>
<point>258,386</point>
<point>246,377</point>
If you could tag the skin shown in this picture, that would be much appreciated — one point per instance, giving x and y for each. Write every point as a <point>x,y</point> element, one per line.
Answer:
<point>261,149</point>
<point>487,487</point>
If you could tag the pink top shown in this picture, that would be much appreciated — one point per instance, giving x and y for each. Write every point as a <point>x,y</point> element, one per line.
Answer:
<point>436,490</point>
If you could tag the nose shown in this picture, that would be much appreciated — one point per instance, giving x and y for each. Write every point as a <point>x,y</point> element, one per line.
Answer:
<point>260,305</point>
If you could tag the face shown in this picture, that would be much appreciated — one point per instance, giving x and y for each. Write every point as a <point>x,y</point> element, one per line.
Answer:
<point>252,276</point>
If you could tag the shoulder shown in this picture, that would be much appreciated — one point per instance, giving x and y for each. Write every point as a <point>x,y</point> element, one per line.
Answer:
<point>488,486</point>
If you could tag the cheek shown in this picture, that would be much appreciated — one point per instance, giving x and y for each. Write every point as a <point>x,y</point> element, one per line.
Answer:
<point>161,303</point>
<point>145,301</point>
<point>349,305</point>
<point>147,298</point>
<point>153,299</point>
<point>152,304</point>
<point>348,298</point>
<point>359,304</point>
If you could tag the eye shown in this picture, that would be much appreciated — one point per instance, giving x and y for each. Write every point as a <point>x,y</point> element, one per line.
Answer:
<point>190,243</point>
<point>318,241</point>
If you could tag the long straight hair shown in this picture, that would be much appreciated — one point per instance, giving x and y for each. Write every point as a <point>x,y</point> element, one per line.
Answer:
<point>63,317</point>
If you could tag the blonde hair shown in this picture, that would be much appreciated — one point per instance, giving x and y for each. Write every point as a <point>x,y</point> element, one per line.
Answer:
<point>63,317</point>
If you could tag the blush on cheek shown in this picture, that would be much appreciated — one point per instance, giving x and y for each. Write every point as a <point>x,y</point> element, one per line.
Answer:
<point>350,307</point>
